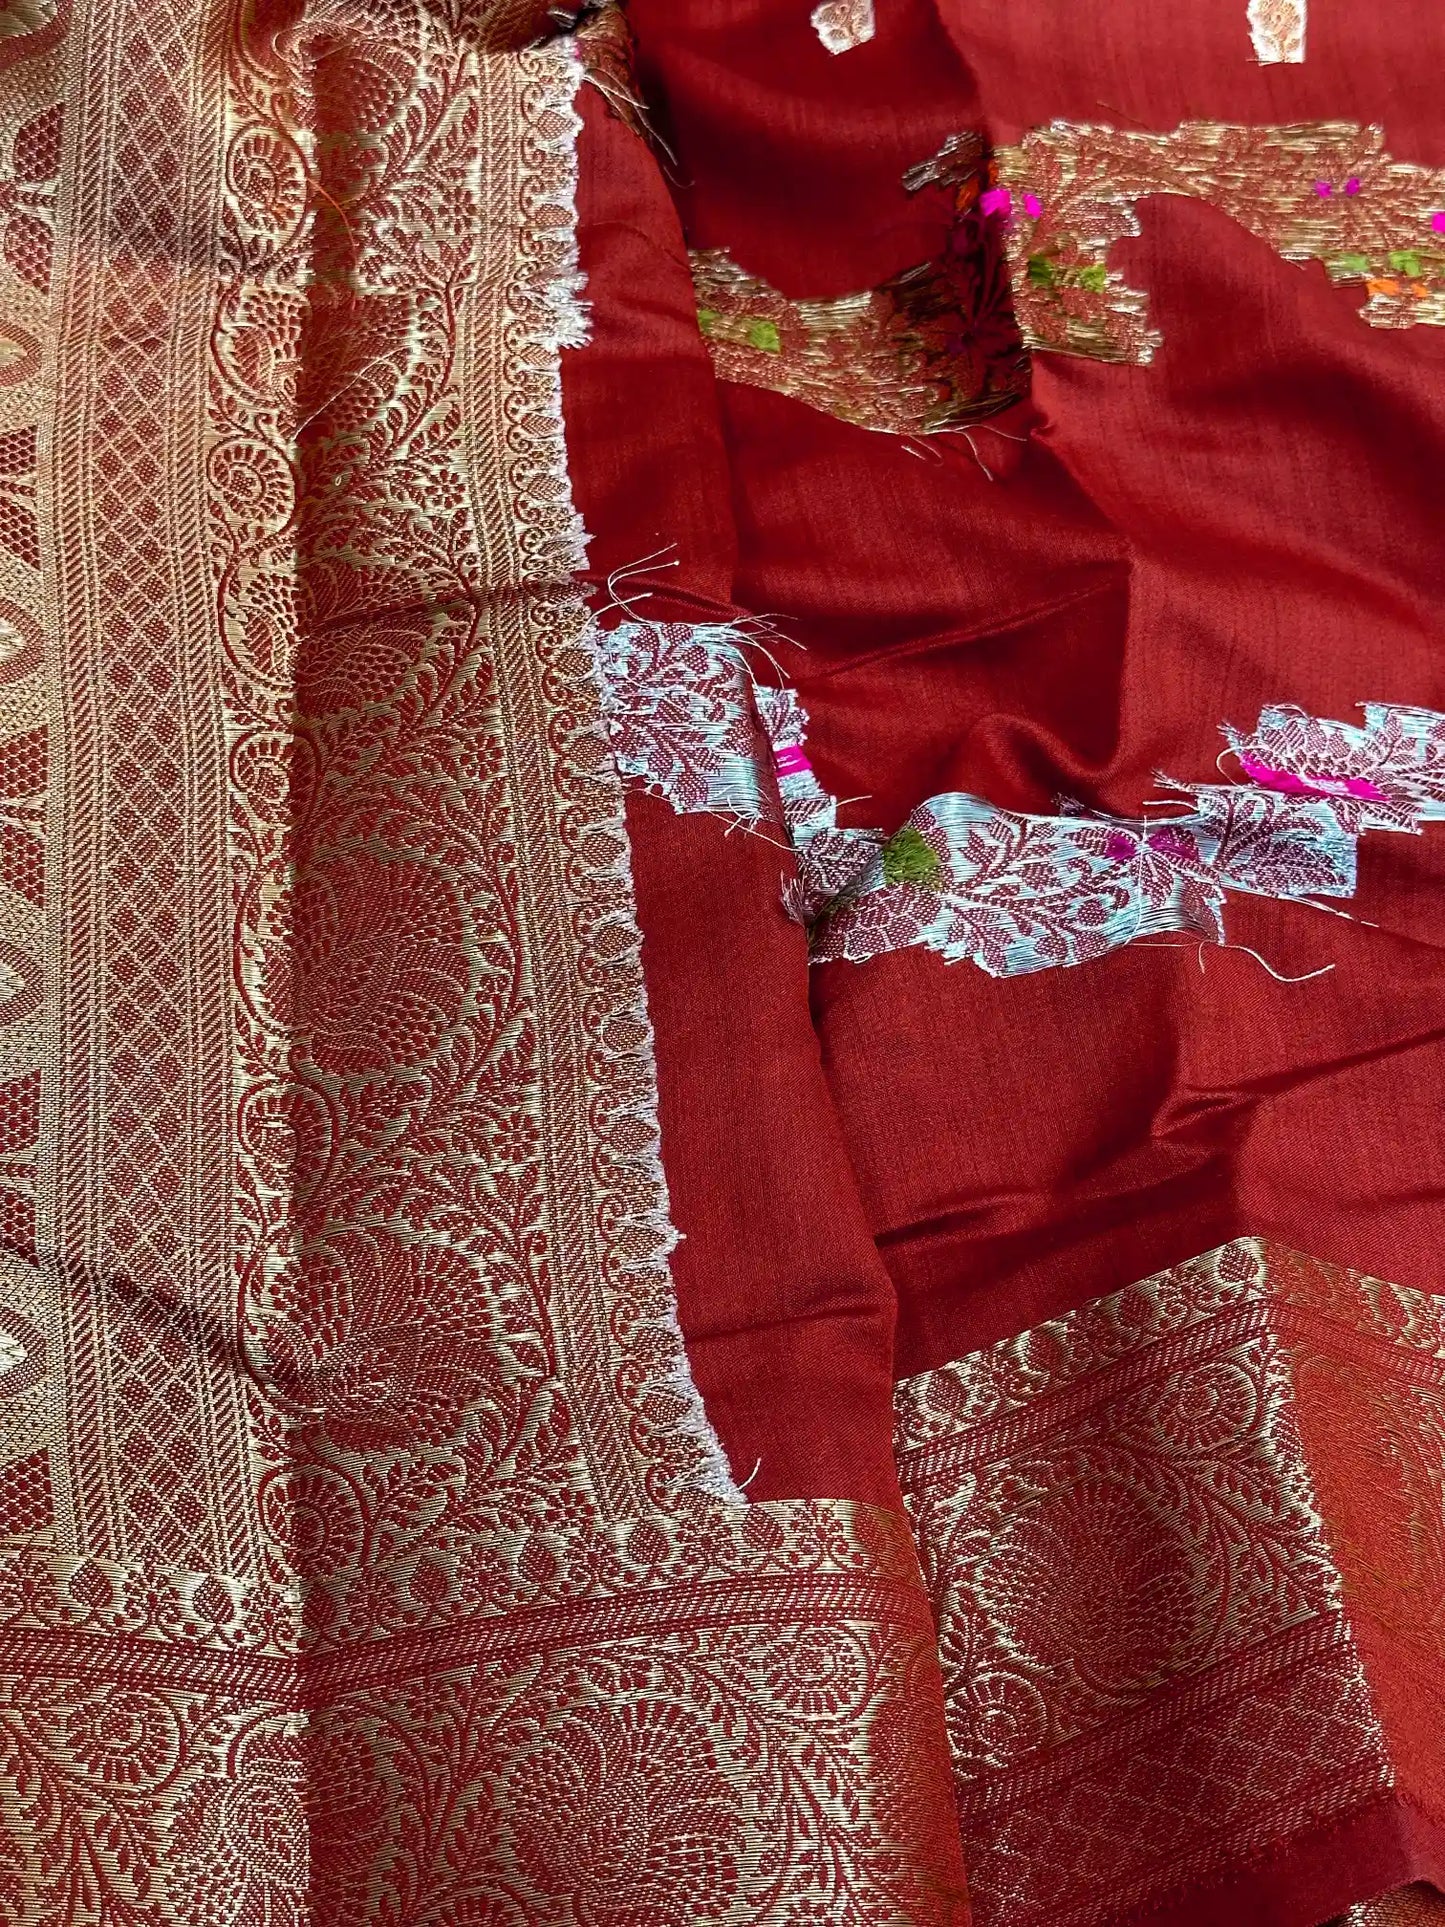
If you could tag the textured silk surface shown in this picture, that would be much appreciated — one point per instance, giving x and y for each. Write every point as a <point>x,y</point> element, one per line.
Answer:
<point>559,1365</point>
<point>1182,1536</point>
<point>1186,1546</point>
<point>365,1554</point>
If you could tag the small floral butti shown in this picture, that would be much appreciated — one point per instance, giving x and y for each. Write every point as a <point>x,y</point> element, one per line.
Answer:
<point>1325,191</point>
<point>1277,31</point>
<point>842,25</point>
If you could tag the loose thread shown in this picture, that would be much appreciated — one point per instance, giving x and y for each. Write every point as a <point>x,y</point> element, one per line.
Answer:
<point>1208,943</point>
<point>626,604</point>
<point>967,436</point>
<point>1264,963</point>
<point>331,400</point>
<point>1330,910</point>
<point>1109,108</point>
<point>621,101</point>
<point>751,642</point>
<point>751,829</point>
<point>767,618</point>
<point>332,201</point>
<point>745,1483</point>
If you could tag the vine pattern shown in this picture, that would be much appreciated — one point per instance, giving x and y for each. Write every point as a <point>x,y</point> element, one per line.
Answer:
<point>1015,893</point>
<point>1185,1548</point>
<point>447,1619</point>
<point>1011,892</point>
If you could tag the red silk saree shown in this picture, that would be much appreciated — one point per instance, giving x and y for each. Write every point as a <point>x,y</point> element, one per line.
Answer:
<point>723,832</point>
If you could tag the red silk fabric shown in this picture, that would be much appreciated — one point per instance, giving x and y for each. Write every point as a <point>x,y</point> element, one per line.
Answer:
<point>1067,600</point>
<point>1248,520</point>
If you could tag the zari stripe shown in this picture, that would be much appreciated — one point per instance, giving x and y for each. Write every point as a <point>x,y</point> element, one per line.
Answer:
<point>1186,1546</point>
<point>1417,1905</point>
<point>138,1118</point>
<point>32,82</point>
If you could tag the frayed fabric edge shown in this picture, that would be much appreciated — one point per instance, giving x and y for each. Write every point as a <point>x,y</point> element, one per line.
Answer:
<point>1016,893</point>
<point>1010,892</point>
<point>648,1345</point>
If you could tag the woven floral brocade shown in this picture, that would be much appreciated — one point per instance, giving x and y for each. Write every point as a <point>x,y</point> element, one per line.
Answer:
<point>1187,1549</point>
<point>1325,191</point>
<point>931,350</point>
<point>366,1554</point>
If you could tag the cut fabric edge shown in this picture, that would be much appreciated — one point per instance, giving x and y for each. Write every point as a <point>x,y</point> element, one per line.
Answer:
<point>1015,893</point>
<point>680,701</point>
<point>1012,892</point>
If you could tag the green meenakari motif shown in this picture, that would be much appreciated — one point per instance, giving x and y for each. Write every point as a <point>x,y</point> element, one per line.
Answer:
<point>909,858</point>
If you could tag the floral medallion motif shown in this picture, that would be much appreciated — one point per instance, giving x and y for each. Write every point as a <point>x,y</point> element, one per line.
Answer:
<point>627,1812</point>
<point>295,1815</point>
<point>380,961</point>
<point>380,1341</point>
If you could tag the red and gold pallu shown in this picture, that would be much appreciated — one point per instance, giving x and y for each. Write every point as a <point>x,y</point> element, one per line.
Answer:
<point>654,1228</point>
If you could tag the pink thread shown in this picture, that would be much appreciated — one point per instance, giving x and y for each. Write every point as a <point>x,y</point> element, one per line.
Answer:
<point>1292,785</point>
<point>790,760</point>
<point>1172,843</point>
<point>1352,185</point>
<point>1323,189</point>
<point>1437,221</point>
<point>1119,848</point>
<point>996,200</point>
<point>1358,786</point>
<point>1033,206</point>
